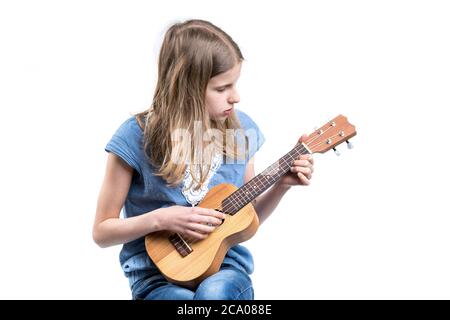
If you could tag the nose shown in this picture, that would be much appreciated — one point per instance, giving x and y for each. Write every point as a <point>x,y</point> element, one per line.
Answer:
<point>234,97</point>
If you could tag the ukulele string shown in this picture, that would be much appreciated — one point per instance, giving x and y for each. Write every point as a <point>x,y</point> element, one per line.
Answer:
<point>232,204</point>
<point>336,135</point>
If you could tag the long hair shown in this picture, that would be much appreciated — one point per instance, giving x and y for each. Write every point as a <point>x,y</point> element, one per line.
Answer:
<point>191,54</point>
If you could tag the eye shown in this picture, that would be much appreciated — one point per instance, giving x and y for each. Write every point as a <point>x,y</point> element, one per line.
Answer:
<point>221,89</point>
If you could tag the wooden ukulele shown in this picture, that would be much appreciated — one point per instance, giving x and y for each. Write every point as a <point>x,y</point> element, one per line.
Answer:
<point>188,264</point>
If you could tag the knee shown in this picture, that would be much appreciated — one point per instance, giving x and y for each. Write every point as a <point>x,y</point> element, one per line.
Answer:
<point>225,285</point>
<point>214,290</point>
<point>170,292</point>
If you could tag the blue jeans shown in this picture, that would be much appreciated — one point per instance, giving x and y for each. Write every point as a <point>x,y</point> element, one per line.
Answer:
<point>228,284</point>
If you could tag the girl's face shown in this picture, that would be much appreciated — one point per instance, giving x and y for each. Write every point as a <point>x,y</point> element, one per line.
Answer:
<point>221,93</point>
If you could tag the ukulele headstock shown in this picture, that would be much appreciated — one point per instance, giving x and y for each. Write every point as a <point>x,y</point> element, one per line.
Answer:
<point>330,135</point>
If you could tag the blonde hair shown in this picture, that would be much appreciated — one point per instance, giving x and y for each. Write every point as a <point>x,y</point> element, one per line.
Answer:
<point>191,54</point>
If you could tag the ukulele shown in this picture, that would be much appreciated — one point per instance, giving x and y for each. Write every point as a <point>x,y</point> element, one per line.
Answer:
<point>187,264</point>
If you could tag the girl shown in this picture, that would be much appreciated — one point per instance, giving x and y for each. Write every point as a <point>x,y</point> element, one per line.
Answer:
<point>158,178</point>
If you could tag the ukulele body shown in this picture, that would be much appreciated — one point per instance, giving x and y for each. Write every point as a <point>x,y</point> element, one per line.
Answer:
<point>189,269</point>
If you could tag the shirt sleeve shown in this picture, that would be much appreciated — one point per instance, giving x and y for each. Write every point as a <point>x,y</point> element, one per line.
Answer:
<point>254,136</point>
<point>126,143</point>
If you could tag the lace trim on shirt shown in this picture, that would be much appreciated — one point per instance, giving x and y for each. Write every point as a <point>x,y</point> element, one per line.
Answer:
<point>195,196</point>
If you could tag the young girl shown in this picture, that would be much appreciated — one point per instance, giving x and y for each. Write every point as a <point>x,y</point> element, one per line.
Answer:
<point>158,178</point>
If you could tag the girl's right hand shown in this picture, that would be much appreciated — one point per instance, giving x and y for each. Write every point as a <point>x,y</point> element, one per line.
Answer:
<point>193,223</point>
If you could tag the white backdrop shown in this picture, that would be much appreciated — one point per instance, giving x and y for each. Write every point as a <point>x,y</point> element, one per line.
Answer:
<point>374,222</point>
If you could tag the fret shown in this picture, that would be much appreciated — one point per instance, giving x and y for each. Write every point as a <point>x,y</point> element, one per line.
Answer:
<point>246,193</point>
<point>260,183</point>
<point>180,244</point>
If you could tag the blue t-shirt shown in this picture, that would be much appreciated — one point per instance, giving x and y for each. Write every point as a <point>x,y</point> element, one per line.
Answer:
<point>149,192</point>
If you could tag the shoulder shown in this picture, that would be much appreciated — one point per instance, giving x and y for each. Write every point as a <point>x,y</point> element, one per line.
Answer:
<point>245,120</point>
<point>252,132</point>
<point>126,142</point>
<point>129,129</point>
<point>129,133</point>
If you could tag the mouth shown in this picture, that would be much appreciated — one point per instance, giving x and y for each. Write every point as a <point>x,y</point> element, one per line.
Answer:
<point>228,111</point>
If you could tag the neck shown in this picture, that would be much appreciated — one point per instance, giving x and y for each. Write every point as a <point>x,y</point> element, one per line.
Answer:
<point>260,183</point>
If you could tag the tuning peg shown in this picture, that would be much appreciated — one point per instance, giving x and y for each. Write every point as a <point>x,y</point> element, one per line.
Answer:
<point>337,152</point>
<point>318,130</point>
<point>349,144</point>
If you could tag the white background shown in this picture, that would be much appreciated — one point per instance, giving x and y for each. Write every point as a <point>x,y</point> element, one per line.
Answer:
<point>374,224</point>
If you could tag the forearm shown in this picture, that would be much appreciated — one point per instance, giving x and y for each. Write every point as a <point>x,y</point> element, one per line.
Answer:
<point>115,231</point>
<point>268,201</point>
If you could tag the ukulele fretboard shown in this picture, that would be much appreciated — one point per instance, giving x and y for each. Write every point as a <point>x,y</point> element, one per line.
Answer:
<point>260,183</point>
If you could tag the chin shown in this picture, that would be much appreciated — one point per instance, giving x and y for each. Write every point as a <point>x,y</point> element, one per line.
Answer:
<point>219,117</point>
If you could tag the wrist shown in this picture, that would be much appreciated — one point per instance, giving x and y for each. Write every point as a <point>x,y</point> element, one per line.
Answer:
<point>282,186</point>
<point>156,218</point>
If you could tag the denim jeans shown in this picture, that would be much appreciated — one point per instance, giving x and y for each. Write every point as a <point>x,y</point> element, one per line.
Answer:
<point>228,284</point>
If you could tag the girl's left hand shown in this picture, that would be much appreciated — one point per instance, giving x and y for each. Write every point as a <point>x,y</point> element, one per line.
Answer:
<point>301,170</point>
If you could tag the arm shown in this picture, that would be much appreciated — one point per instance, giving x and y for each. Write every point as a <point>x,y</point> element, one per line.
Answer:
<point>265,203</point>
<point>110,230</point>
<point>300,174</point>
